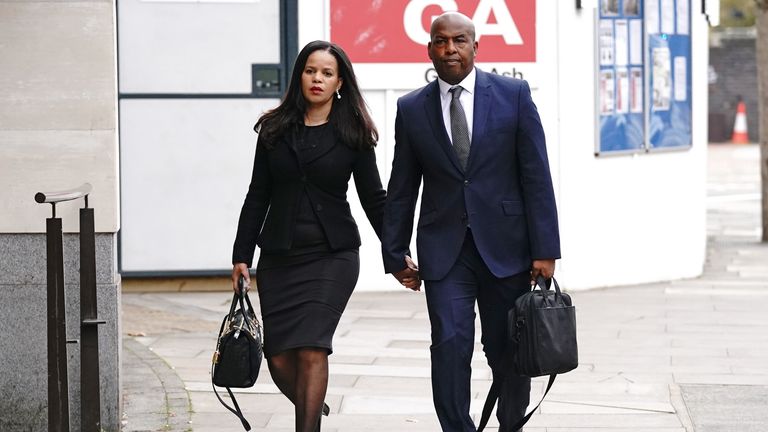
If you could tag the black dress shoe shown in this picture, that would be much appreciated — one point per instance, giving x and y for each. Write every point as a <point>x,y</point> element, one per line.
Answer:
<point>326,411</point>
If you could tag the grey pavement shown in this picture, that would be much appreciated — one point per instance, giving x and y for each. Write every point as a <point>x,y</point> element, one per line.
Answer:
<point>666,357</point>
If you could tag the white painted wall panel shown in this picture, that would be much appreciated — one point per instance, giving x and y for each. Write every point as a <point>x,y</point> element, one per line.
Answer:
<point>195,47</point>
<point>186,169</point>
<point>625,219</point>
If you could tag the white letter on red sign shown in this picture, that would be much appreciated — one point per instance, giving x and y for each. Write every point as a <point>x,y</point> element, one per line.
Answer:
<point>505,26</point>
<point>412,18</point>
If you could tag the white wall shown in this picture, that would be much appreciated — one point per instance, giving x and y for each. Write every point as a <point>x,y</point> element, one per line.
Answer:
<point>195,47</point>
<point>625,219</point>
<point>186,162</point>
<point>186,168</point>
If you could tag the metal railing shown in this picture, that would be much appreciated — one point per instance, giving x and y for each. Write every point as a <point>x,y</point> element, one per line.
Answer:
<point>58,394</point>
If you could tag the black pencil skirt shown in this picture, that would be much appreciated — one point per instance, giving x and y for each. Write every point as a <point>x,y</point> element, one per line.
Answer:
<point>302,300</point>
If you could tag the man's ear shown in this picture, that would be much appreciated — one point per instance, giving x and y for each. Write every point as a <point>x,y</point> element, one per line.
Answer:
<point>429,50</point>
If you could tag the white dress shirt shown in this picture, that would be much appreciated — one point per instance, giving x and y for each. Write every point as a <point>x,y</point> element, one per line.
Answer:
<point>467,100</point>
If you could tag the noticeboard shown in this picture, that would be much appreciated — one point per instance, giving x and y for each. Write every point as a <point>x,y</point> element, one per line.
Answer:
<point>643,75</point>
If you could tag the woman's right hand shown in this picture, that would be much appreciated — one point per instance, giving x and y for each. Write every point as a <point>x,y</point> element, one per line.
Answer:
<point>237,270</point>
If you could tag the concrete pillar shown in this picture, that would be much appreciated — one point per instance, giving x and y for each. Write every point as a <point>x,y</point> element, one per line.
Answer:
<point>58,129</point>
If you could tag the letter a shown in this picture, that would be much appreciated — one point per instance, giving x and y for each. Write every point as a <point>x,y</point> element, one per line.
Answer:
<point>505,26</point>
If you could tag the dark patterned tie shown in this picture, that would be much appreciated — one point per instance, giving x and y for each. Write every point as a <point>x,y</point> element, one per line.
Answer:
<point>459,129</point>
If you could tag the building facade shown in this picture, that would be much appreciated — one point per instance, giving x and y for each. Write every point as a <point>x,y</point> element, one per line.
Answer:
<point>620,85</point>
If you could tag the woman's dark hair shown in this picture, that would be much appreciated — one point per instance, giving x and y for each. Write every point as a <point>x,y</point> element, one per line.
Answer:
<point>349,115</point>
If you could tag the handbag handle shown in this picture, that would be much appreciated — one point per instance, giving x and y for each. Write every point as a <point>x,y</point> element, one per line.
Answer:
<point>244,293</point>
<point>238,298</point>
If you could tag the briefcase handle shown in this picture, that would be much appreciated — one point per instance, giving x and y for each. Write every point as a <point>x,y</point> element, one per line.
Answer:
<point>545,285</point>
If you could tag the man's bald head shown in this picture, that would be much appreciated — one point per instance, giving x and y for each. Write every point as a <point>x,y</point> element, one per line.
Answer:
<point>454,18</point>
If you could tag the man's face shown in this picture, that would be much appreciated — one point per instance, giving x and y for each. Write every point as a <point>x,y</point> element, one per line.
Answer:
<point>452,48</point>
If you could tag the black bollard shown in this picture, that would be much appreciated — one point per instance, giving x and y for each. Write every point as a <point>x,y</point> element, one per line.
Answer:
<point>90,395</point>
<point>58,393</point>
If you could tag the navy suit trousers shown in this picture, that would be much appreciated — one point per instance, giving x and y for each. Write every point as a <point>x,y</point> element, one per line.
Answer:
<point>451,303</point>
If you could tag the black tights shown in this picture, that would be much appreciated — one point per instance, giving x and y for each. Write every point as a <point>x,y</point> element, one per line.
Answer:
<point>302,375</point>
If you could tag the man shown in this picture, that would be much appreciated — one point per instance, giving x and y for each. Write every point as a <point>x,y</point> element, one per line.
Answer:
<point>488,222</point>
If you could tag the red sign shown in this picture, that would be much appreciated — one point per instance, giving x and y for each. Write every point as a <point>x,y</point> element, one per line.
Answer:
<point>397,31</point>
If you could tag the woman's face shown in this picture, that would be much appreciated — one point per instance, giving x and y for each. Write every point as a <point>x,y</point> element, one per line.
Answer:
<point>320,78</point>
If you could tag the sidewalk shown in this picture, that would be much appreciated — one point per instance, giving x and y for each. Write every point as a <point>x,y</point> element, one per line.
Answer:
<point>659,357</point>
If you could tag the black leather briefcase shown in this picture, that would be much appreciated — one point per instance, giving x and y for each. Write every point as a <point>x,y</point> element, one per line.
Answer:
<point>541,335</point>
<point>542,332</point>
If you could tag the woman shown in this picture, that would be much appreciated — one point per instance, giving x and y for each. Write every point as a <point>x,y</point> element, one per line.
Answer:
<point>296,211</point>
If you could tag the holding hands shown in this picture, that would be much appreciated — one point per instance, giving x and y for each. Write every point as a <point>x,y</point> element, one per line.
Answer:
<point>409,276</point>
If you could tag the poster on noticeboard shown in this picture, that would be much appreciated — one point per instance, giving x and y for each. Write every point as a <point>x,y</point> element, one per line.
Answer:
<point>643,79</point>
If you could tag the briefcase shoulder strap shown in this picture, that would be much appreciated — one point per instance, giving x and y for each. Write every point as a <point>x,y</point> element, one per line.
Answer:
<point>493,396</point>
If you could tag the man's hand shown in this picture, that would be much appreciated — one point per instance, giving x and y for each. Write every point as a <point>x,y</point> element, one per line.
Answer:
<point>237,270</point>
<point>544,268</point>
<point>408,278</point>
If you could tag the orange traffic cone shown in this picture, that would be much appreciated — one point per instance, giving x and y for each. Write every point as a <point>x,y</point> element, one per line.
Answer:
<point>740,135</point>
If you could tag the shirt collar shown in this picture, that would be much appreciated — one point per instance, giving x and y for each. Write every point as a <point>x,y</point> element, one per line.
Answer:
<point>468,83</point>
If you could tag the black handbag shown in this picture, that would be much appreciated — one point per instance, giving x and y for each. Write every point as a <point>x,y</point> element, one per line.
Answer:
<point>238,355</point>
<point>541,336</point>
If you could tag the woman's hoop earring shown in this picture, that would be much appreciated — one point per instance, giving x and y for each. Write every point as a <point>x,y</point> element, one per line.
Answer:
<point>338,95</point>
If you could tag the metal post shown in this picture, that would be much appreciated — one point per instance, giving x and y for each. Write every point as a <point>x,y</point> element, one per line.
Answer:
<point>90,407</point>
<point>58,392</point>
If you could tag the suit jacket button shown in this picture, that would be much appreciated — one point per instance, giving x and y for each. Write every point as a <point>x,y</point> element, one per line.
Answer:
<point>319,207</point>
<point>466,182</point>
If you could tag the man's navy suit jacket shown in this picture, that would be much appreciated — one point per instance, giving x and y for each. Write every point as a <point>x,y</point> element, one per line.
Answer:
<point>505,195</point>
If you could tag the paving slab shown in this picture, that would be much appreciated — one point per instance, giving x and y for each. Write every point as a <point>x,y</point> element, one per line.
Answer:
<point>716,408</point>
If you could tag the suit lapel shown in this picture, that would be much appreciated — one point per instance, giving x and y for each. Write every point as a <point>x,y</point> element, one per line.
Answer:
<point>480,112</point>
<point>435,116</point>
<point>290,143</point>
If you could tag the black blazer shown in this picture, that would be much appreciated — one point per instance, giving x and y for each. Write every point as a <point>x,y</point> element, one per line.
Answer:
<point>269,212</point>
